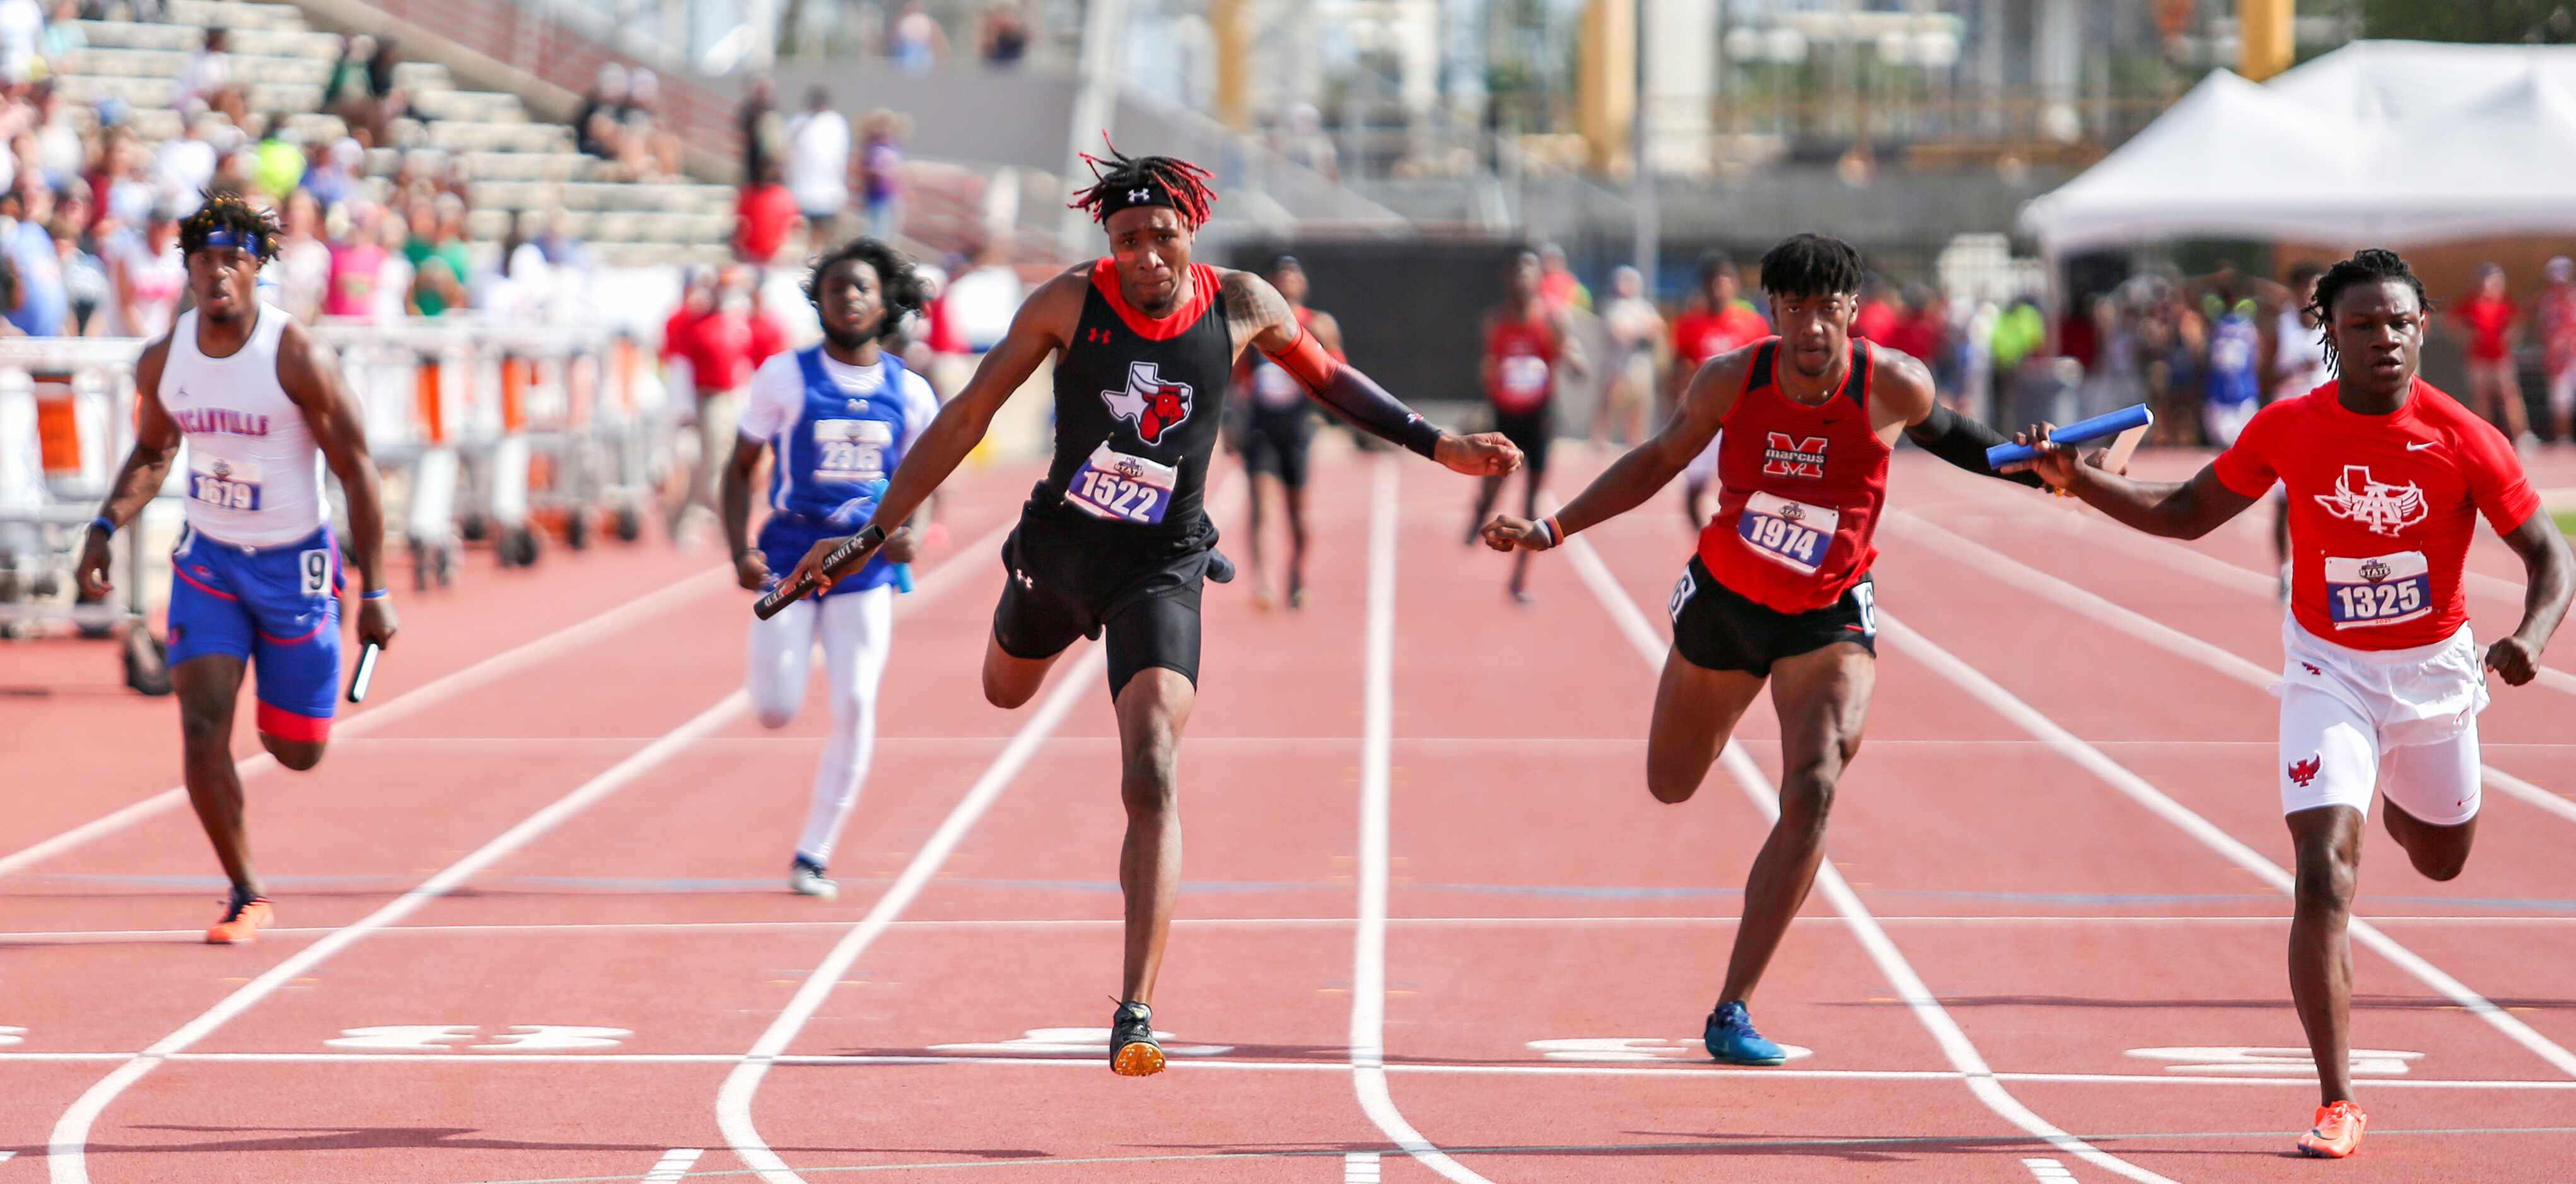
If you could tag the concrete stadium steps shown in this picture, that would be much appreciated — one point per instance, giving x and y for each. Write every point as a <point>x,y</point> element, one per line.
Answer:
<point>295,42</point>
<point>235,14</point>
<point>599,226</point>
<point>648,197</point>
<point>138,93</point>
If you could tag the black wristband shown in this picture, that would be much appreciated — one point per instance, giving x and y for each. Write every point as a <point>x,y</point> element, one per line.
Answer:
<point>1421,436</point>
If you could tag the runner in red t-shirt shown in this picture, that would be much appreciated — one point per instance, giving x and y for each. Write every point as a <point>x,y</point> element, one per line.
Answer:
<point>1778,591</point>
<point>2489,320</point>
<point>2383,682</point>
<point>1527,344</point>
<point>1718,322</point>
<point>2555,316</point>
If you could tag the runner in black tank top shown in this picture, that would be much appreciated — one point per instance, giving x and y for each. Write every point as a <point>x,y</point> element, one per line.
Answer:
<point>1116,539</point>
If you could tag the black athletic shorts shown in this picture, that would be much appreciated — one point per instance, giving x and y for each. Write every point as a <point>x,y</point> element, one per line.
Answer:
<point>1715,628</point>
<point>1529,432</point>
<point>1067,575</point>
<point>1275,439</point>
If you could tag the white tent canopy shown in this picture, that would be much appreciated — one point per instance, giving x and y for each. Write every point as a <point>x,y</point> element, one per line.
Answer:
<point>2394,142</point>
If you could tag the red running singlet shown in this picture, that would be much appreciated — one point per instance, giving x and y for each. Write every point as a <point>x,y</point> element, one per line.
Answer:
<point>1524,354</point>
<point>1799,490</point>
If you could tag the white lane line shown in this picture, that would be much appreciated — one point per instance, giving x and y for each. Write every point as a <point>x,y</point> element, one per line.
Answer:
<point>427,695</point>
<point>1368,942</point>
<point>686,928</point>
<point>1360,1167</point>
<point>2047,1169</point>
<point>734,1098</point>
<point>66,1151</point>
<point>675,1164</point>
<point>67,1160</point>
<point>1224,1064</point>
<point>2138,789</point>
<point>1955,1045</point>
<point>2175,641</point>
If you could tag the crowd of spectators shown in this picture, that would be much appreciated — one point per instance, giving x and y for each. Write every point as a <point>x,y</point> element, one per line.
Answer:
<point>804,177</point>
<point>89,206</point>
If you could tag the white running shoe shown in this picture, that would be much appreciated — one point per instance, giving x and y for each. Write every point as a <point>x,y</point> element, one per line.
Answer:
<point>805,878</point>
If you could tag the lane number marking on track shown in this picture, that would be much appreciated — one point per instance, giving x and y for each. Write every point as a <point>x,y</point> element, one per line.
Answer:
<point>452,1037</point>
<point>1360,1167</point>
<point>1059,1042</point>
<point>2047,1169</point>
<point>10,1035</point>
<point>2366,1062</point>
<point>674,1165</point>
<point>1636,1048</point>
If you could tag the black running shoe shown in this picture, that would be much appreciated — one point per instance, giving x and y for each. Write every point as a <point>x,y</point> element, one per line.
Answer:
<point>1132,1051</point>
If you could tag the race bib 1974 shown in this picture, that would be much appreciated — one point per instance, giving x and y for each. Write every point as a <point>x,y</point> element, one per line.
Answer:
<point>1793,534</point>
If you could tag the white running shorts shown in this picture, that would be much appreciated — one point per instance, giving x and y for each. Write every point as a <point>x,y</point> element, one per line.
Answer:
<point>2404,722</point>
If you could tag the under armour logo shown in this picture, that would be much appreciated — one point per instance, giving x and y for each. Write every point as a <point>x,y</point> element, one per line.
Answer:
<point>1096,336</point>
<point>1023,578</point>
<point>1139,194</point>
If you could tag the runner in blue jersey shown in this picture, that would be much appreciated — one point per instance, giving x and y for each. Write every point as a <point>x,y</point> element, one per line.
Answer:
<point>835,417</point>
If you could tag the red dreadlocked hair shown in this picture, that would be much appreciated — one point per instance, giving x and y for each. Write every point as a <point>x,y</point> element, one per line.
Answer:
<point>1186,182</point>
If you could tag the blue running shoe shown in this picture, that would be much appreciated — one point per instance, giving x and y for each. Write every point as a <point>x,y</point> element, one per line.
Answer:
<point>1731,1038</point>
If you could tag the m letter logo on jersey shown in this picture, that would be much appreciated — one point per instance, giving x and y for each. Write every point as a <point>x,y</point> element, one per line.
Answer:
<point>2383,508</point>
<point>1784,457</point>
<point>2305,771</point>
<point>1154,405</point>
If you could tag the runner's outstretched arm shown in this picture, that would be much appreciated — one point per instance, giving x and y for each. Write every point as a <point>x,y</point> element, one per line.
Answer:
<point>1256,313</point>
<point>1645,469</point>
<point>2174,509</point>
<point>1039,329</point>
<point>1903,385</point>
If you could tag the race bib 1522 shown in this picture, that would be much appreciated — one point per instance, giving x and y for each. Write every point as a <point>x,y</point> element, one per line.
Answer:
<point>1122,488</point>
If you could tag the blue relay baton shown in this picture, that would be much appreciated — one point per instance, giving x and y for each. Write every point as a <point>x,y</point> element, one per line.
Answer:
<point>2100,427</point>
<point>903,577</point>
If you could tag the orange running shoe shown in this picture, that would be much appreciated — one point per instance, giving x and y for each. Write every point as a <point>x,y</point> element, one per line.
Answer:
<point>2337,1132</point>
<point>1132,1050</point>
<point>242,922</point>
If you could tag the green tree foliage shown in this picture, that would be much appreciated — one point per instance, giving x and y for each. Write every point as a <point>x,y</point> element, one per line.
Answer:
<point>2508,21</point>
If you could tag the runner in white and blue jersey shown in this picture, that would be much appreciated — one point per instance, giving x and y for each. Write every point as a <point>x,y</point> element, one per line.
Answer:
<point>835,418</point>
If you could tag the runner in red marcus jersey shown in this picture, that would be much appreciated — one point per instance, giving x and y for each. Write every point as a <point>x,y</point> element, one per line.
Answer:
<point>1779,590</point>
<point>1720,322</point>
<point>2382,682</point>
<point>1527,343</point>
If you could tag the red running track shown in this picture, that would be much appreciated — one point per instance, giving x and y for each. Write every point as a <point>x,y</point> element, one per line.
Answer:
<point>1434,927</point>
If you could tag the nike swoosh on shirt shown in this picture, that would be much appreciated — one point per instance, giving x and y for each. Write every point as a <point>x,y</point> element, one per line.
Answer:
<point>2418,445</point>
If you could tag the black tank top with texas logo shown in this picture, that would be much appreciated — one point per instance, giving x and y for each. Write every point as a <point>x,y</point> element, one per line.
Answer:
<point>1137,405</point>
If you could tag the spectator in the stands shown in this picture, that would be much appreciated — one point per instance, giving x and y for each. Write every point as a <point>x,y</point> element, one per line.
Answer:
<point>279,164</point>
<point>881,173</point>
<point>763,133</point>
<point>436,252</point>
<point>564,248</point>
<point>22,29</point>
<point>145,275</point>
<point>648,150</point>
<point>85,283</point>
<point>187,164</point>
<point>386,99</point>
<point>596,125</point>
<point>347,93</point>
<point>764,218</point>
<point>60,148</point>
<point>333,179</point>
<point>63,35</point>
<point>43,305</point>
<point>357,261</point>
<point>206,80</point>
<point>1556,283</point>
<point>235,170</point>
<point>303,266</point>
<point>818,164</point>
<point>134,180</point>
<point>916,42</point>
<point>1004,39</point>
<point>394,280</point>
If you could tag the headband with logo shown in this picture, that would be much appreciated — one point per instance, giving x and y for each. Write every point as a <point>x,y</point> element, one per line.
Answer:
<point>219,239</point>
<point>1145,193</point>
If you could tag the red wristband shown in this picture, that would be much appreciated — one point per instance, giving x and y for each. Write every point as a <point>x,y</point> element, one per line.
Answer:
<point>1555,533</point>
